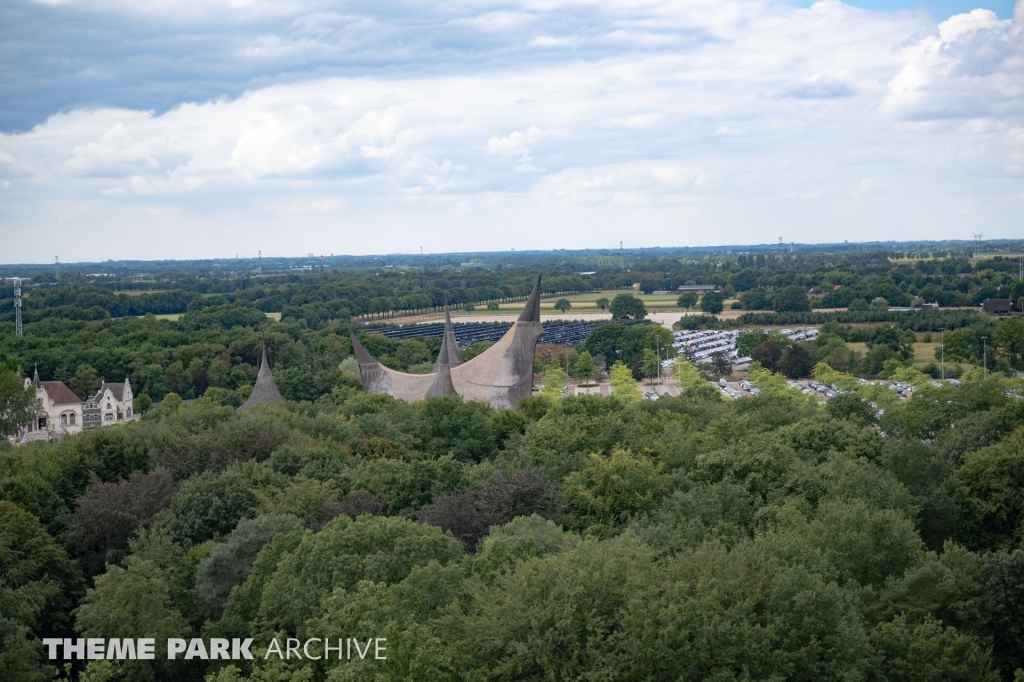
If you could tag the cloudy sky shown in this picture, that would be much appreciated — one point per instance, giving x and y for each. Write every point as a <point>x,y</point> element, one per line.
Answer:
<point>206,128</point>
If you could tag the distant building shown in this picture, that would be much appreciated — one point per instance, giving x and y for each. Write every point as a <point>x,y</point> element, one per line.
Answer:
<point>112,404</point>
<point>997,305</point>
<point>698,288</point>
<point>62,413</point>
<point>929,306</point>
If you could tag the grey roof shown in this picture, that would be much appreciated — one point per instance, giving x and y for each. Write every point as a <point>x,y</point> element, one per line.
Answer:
<point>264,391</point>
<point>116,389</point>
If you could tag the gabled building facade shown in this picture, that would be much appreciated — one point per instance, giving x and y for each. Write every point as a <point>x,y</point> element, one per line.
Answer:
<point>111,404</point>
<point>62,413</point>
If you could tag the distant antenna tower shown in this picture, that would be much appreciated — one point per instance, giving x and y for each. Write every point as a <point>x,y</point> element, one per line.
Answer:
<point>977,242</point>
<point>17,302</point>
<point>622,260</point>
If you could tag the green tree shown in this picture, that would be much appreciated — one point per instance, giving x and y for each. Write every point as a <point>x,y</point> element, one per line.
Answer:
<point>554,381</point>
<point>767,353</point>
<point>39,587</point>
<point>852,407</point>
<point>602,303</point>
<point>1009,341</point>
<point>796,361</point>
<point>231,561</point>
<point>746,341</point>
<point>563,305</point>
<point>651,363</point>
<point>132,602</point>
<point>143,402</point>
<point>687,300</point>
<point>463,428</point>
<point>991,493</point>
<point>18,405</point>
<point>712,302</point>
<point>207,506</point>
<point>375,548</point>
<point>584,366</point>
<point>86,381</point>
<point>628,307</point>
<point>623,384</point>
<point>613,490</point>
<point>792,299</point>
<point>958,344</point>
<point>492,306</point>
<point>930,651</point>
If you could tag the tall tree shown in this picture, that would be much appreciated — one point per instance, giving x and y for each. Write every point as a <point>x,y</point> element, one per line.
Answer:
<point>712,302</point>
<point>628,307</point>
<point>623,384</point>
<point>687,300</point>
<point>18,405</point>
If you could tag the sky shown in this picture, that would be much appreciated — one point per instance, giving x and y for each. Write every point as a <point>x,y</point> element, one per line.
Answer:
<point>210,128</point>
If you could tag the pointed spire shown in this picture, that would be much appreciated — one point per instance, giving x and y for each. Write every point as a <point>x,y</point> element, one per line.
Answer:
<point>531,313</point>
<point>449,354</point>
<point>265,390</point>
<point>442,383</point>
<point>362,356</point>
<point>264,365</point>
<point>35,379</point>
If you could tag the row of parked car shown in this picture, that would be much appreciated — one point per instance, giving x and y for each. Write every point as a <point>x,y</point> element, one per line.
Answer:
<point>698,345</point>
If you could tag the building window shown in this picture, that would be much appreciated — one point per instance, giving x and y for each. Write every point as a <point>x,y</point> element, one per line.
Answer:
<point>64,421</point>
<point>71,419</point>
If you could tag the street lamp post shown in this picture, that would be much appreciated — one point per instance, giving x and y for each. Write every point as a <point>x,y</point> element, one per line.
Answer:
<point>942,351</point>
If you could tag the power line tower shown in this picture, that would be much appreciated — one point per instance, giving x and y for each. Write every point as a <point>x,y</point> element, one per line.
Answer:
<point>977,242</point>
<point>622,260</point>
<point>17,302</point>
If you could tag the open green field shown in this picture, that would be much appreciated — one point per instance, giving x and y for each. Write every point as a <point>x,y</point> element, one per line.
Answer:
<point>587,303</point>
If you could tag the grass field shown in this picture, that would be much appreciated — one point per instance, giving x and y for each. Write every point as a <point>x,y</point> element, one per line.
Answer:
<point>587,303</point>
<point>173,317</point>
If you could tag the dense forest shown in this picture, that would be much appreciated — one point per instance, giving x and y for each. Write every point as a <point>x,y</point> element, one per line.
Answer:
<point>588,537</point>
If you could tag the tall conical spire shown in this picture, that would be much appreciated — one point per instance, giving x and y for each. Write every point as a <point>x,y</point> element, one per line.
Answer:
<point>362,356</point>
<point>449,354</point>
<point>265,390</point>
<point>35,379</point>
<point>531,313</point>
<point>442,383</point>
<point>370,371</point>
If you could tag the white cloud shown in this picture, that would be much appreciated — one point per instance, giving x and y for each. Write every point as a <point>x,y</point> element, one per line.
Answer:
<point>114,154</point>
<point>565,124</point>
<point>822,85</point>
<point>973,65</point>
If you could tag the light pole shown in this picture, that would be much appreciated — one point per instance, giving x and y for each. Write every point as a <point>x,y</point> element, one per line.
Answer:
<point>942,351</point>
<point>984,357</point>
